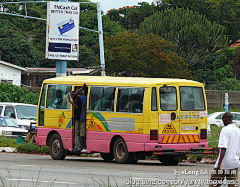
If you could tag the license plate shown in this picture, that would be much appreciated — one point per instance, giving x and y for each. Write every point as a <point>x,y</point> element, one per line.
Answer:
<point>188,128</point>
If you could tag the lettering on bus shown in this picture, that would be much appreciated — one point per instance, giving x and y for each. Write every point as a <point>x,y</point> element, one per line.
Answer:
<point>165,118</point>
<point>191,115</point>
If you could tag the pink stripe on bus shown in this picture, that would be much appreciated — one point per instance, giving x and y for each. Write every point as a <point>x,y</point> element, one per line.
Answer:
<point>100,141</point>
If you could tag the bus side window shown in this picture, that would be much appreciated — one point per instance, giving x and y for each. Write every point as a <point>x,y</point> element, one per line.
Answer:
<point>130,100</point>
<point>102,98</point>
<point>57,96</point>
<point>67,90</point>
<point>154,99</point>
<point>122,99</point>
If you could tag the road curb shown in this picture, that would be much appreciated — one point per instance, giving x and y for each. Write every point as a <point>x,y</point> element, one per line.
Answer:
<point>8,149</point>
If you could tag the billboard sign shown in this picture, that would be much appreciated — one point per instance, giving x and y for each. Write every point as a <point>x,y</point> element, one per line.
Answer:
<point>62,33</point>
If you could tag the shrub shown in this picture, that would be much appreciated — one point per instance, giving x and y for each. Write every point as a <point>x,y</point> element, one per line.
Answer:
<point>12,93</point>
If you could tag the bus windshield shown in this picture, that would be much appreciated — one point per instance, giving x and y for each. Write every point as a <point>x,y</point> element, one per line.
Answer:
<point>27,112</point>
<point>191,98</point>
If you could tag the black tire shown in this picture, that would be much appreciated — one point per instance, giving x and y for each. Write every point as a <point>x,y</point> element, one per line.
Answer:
<point>168,159</point>
<point>120,151</point>
<point>56,148</point>
<point>107,156</point>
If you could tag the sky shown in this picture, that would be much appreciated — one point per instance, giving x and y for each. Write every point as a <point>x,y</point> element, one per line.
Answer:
<point>110,4</point>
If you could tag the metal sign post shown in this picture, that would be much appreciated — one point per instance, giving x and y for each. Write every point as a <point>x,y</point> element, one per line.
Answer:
<point>100,31</point>
<point>61,65</point>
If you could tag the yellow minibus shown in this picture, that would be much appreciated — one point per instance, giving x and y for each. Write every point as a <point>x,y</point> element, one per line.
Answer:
<point>127,118</point>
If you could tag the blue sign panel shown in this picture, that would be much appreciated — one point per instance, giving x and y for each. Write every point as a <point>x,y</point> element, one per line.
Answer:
<point>59,47</point>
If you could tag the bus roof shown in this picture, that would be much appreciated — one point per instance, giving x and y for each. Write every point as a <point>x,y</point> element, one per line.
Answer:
<point>119,81</point>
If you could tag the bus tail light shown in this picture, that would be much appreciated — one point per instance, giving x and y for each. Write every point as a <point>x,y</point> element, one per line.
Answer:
<point>153,134</point>
<point>35,131</point>
<point>203,134</point>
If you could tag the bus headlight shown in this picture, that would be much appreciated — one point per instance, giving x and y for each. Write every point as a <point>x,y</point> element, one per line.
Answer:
<point>6,133</point>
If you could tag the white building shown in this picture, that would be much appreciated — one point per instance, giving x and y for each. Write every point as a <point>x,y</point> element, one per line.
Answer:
<point>10,73</point>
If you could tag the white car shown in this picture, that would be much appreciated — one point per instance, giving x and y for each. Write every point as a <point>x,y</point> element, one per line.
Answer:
<point>22,114</point>
<point>216,119</point>
<point>9,128</point>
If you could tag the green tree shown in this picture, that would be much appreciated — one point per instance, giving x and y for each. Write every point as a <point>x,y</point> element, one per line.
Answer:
<point>215,72</point>
<point>12,93</point>
<point>16,38</point>
<point>15,45</point>
<point>227,65</point>
<point>230,84</point>
<point>223,12</point>
<point>149,56</point>
<point>196,39</point>
<point>130,17</point>
<point>204,72</point>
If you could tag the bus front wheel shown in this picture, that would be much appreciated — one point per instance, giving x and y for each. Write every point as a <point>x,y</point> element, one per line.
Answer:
<point>120,151</point>
<point>56,147</point>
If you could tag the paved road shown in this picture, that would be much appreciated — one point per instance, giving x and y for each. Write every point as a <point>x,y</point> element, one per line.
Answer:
<point>40,170</point>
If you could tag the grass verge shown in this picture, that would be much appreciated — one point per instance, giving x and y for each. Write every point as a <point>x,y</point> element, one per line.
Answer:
<point>23,147</point>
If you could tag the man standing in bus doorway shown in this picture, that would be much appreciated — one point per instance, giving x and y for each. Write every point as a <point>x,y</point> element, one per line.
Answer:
<point>228,160</point>
<point>77,112</point>
<point>83,99</point>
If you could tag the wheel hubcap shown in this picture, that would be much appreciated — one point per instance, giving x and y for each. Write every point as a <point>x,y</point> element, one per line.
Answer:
<point>120,150</point>
<point>56,146</point>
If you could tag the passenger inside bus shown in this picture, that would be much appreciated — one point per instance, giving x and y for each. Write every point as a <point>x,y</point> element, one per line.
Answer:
<point>135,104</point>
<point>66,103</point>
<point>183,95</point>
<point>57,103</point>
<point>105,103</point>
<point>123,99</point>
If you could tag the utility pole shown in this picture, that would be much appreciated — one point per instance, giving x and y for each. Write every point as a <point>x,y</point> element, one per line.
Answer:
<point>61,65</point>
<point>100,32</point>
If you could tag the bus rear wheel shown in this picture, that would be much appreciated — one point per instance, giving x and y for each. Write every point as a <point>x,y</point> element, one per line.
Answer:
<point>56,147</point>
<point>120,152</point>
<point>107,156</point>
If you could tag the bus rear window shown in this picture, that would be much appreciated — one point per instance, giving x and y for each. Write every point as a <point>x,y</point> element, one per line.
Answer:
<point>191,98</point>
<point>168,98</point>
